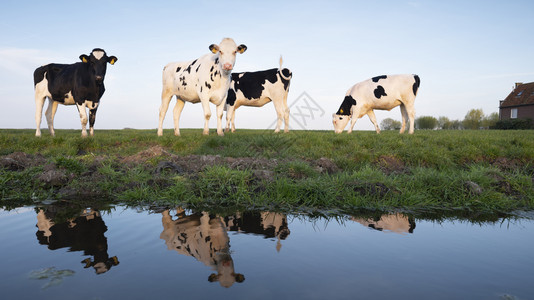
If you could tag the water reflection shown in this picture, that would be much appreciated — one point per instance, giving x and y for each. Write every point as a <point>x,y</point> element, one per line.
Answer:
<point>84,232</point>
<point>268,224</point>
<point>205,238</point>
<point>397,223</point>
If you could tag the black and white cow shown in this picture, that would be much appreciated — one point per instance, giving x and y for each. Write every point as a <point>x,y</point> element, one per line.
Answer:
<point>382,92</point>
<point>80,84</point>
<point>257,89</point>
<point>204,80</point>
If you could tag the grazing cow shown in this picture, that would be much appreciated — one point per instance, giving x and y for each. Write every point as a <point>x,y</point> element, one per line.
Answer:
<point>382,92</point>
<point>257,89</point>
<point>204,80</point>
<point>205,238</point>
<point>81,83</point>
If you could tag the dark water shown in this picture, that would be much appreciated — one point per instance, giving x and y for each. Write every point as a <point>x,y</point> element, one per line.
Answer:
<point>124,253</point>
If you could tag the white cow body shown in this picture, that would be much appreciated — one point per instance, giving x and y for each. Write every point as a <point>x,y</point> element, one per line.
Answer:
<point>204,80</point>
<point>383,93</point>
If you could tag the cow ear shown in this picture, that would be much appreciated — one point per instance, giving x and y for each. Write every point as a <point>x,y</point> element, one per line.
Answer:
<point>214,48</point>
<point>241,48</point>
<point>84,58</point>
<point>112,59</point>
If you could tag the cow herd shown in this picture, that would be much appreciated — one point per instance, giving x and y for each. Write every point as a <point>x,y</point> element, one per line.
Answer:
<point>209,78</point>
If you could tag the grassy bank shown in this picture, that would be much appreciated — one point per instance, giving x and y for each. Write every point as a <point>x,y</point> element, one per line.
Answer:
<point>485,171</point>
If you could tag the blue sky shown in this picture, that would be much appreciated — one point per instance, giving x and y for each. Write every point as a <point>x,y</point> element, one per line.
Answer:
<point>468,54</point>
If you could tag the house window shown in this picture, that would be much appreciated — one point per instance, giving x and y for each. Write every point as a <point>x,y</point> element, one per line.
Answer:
<point>519,94</point>
<point>513,114</point>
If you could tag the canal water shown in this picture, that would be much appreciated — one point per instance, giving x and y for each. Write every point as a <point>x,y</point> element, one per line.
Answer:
<point>50,252</point>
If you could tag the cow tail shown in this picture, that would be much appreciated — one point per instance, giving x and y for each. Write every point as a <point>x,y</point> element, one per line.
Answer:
<point>287,75</point>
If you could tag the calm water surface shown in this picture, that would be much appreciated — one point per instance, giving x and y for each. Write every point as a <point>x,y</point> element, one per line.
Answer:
<point>126,253</point>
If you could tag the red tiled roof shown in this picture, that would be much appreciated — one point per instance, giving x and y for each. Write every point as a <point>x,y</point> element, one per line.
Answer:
<point>521,95</point>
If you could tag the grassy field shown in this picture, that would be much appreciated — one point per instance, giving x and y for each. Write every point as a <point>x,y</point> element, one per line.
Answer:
<point>475,171</point>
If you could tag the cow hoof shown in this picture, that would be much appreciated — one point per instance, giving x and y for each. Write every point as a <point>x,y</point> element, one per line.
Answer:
<point>205,133</point>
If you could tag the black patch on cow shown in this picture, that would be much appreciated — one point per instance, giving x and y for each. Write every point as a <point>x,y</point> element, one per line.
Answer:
<point>178,69</point>
<point>379,92</point>
<point>230,99</point>
<point>216,60</point>
<point>287,74</point>
<point>188,70</point>
<point>198,68</point>
<point>211,70</point>
<point>416,84</point>
<point>184,83</point>
<point>346,106</point>
<point>377,78</point>
<point>251,84</point>
<point>207,85</point>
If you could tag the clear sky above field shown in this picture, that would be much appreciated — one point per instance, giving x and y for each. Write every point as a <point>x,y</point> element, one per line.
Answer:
<point>468,54</point>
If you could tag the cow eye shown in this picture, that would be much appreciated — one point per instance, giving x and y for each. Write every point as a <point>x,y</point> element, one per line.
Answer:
<point>341,118</point>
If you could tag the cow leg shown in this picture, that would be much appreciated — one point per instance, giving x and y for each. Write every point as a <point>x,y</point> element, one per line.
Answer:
<point>92,118</point>
<point>177,111</point>
<point>207,116</point>
<point>355,116</point>
<point>280,114</point>
<point>230,111</point>
<point>165,100</point>
<point>410,111</point>
<point>50,113</point>
<point>233,121</point>
<point>39,103</point>
<point>404,114</point>
<point>372,117</point>
<point>219,111</point>
<point>286,115</point>
<point>83,118</point>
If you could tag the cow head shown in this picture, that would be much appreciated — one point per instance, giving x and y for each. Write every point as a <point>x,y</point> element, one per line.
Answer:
<point>97,62</point>
<point>227,51</point>
<point>340,122</point>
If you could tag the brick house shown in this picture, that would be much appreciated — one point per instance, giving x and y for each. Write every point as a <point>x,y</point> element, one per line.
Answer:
<point>519,104</point>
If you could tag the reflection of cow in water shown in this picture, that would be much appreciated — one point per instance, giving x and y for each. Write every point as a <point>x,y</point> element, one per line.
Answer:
<point>83,233</point>
<point>397,223</point>
<point>268,224</point>
<point>205,238</point>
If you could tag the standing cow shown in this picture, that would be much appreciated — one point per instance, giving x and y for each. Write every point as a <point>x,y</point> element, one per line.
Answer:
<point>257,89</point>
<point>382,92</point>
<point>204,80</point>
<point>81,83</point>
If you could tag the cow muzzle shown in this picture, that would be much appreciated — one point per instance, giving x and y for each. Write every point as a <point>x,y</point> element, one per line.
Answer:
<point>228,67</point>
<point>99,79</point>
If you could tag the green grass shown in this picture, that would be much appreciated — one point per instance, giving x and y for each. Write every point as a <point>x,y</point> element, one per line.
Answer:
<point>480,171</point>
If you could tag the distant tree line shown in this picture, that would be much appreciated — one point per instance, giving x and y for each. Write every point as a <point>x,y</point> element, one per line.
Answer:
<point>474,119</point>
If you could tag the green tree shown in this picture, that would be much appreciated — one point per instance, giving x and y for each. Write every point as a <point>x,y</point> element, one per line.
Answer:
<point>426,122</point>
<point>473,119</point>
<point>390,124</point>
<point>443,123</point>
<point>491,120</point>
